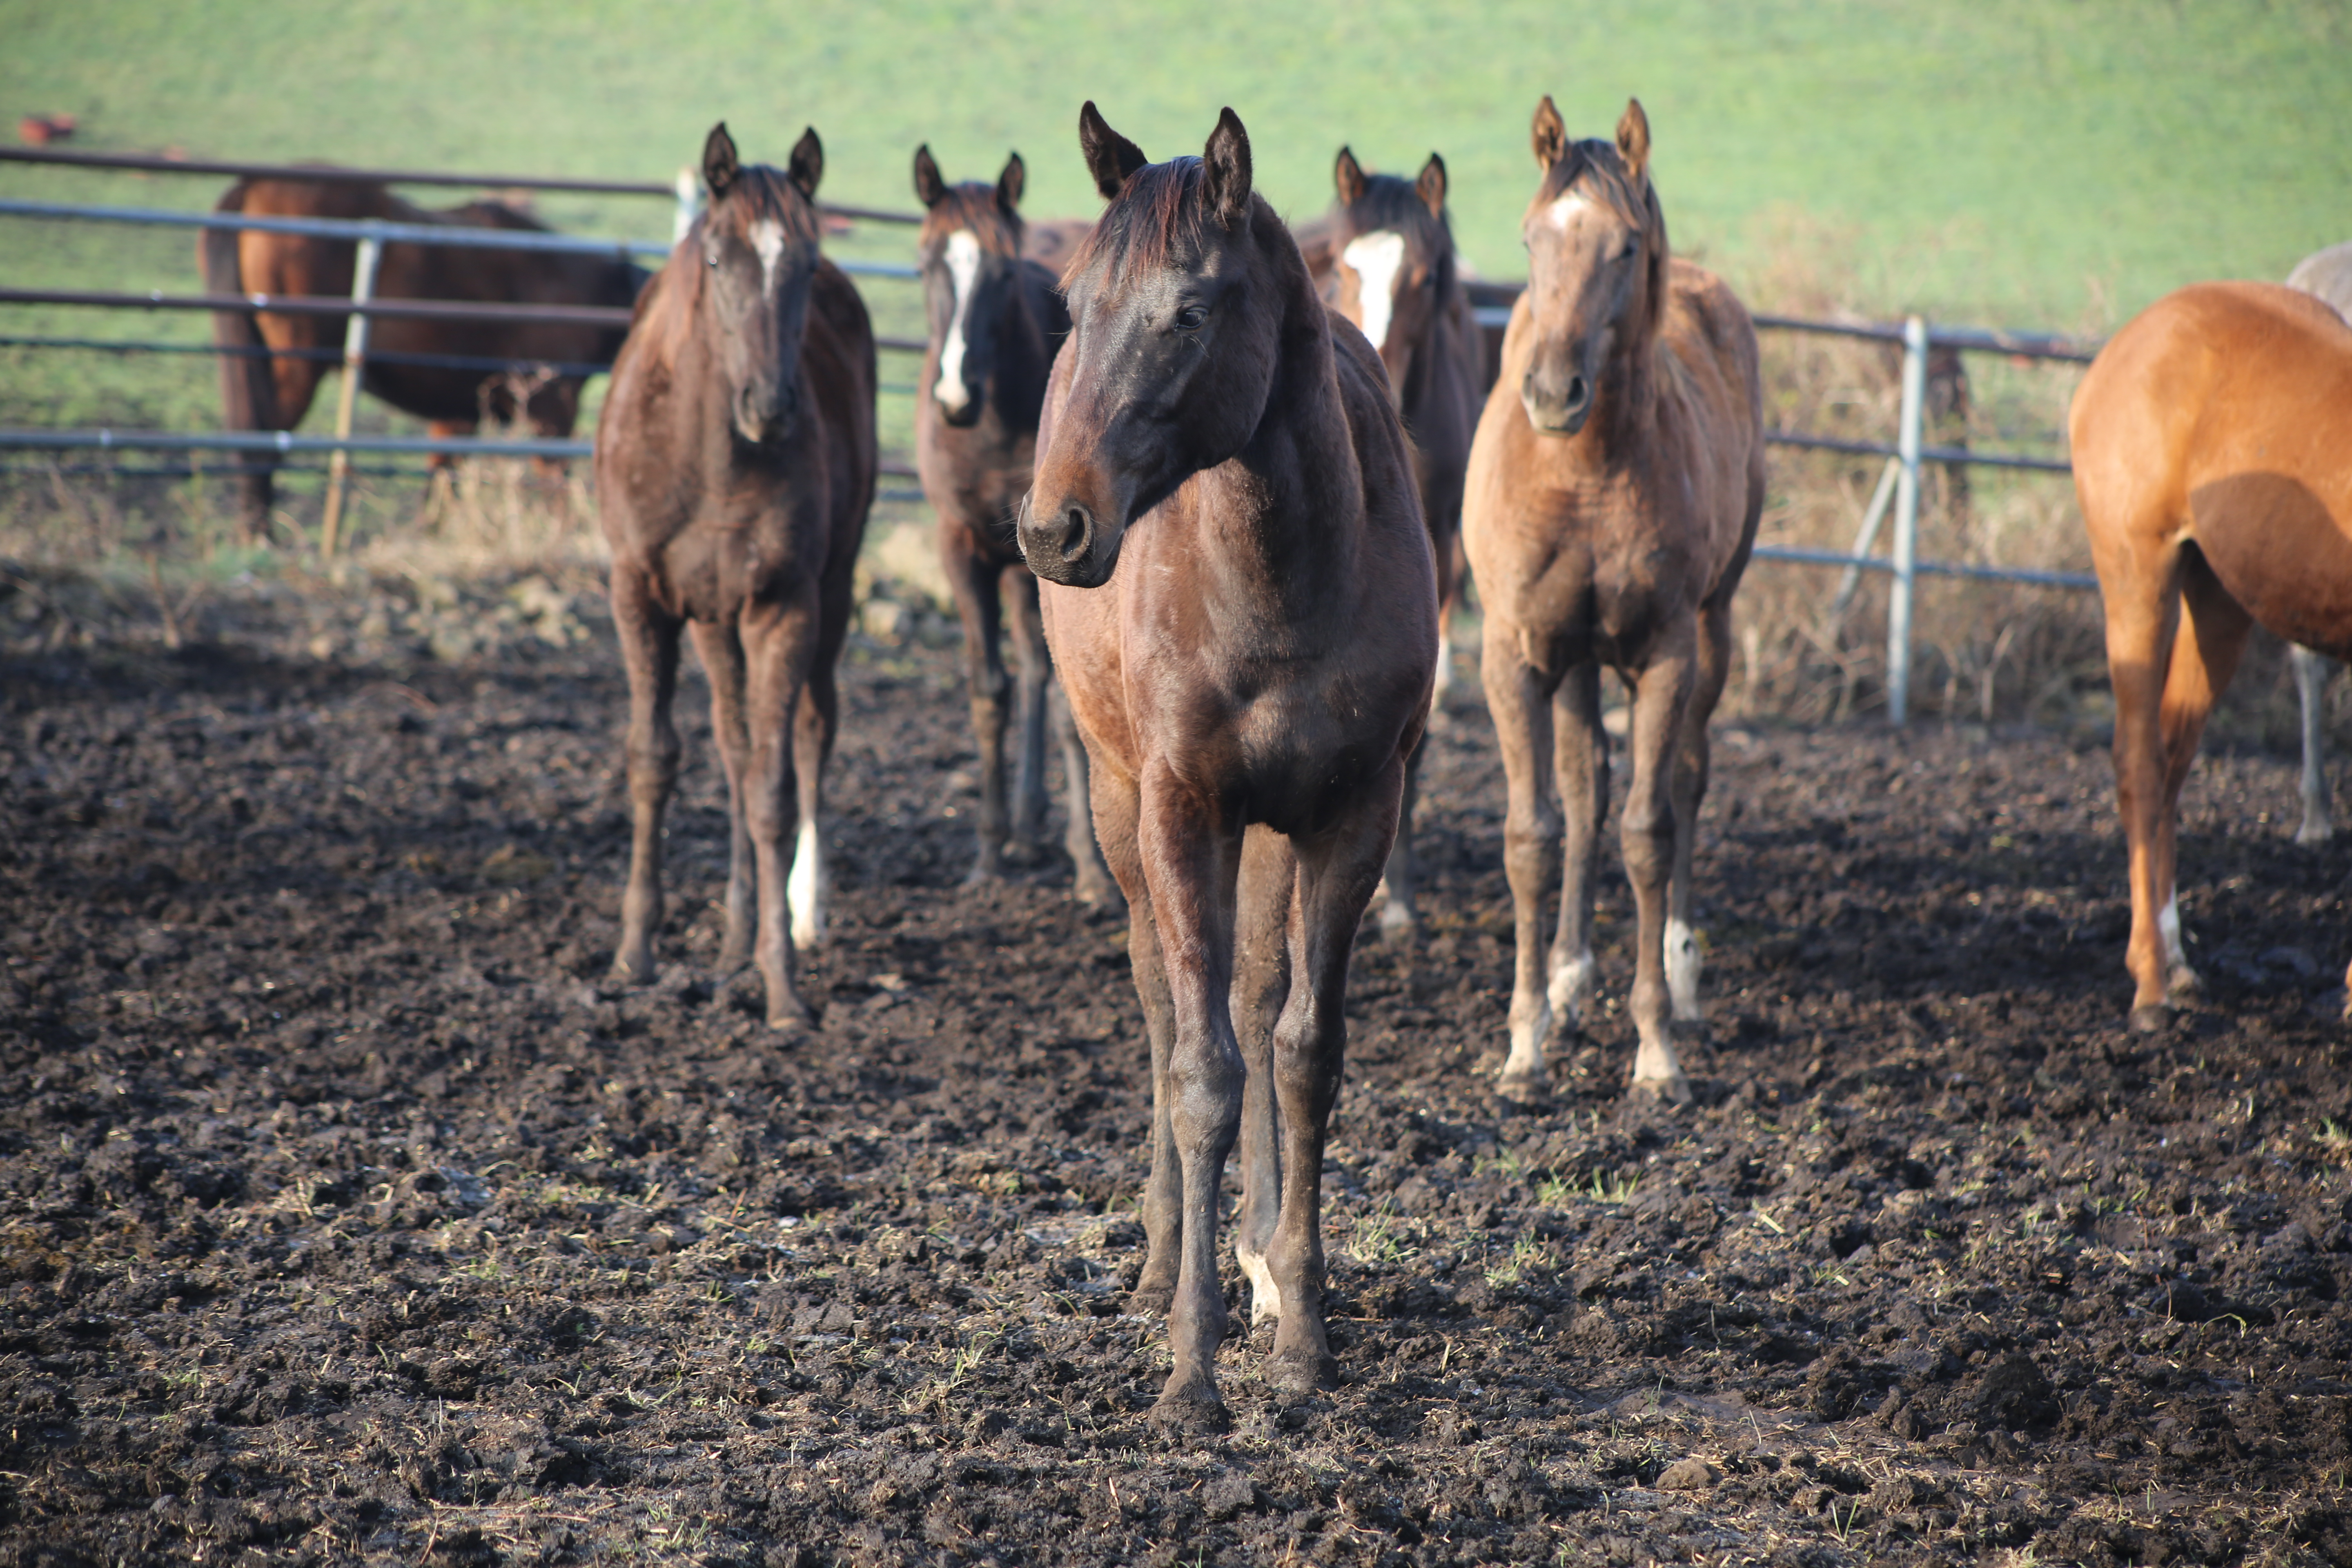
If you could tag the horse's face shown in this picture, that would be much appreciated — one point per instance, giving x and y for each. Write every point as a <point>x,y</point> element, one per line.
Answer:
<point>971,256</point>
<point>1174,340</point>
<point>1395,250</point>
<point>758,245</point>
<point>1593,245</point>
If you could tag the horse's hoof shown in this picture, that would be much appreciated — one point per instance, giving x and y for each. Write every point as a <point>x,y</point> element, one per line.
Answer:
<point>1101,893</point>
<point>982,874</point>
<point>1674,1090</point>
<point>2184,985</point>
<point>1020,851</point>
<point>1148,1299</point>
<point>1398,923</point>
<point>624,973</point>
<point>791,1016</point>
<point>1527,1088</point>
<point>1193,1409</point>
<point>2151,1019</point>
<point>1303,1372</point>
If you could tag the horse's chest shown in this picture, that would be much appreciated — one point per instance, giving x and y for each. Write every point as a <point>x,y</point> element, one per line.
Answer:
<point>709,572</point>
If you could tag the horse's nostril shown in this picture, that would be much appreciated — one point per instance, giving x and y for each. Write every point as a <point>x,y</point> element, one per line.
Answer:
<point>1576,392</point>
<point>1075,530</point>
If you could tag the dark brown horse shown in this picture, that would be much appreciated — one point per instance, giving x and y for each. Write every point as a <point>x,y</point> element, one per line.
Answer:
<point>1391,272</point>
<point>2210,441</point>
<point>996,320</point>
<point>735,462</point>
<point>1614,494</point>
<point>274,393</point>
<point>1249,685</point>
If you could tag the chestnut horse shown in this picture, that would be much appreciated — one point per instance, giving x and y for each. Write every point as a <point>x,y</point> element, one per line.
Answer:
<point>735,463</point>
<point>2210,440</point>
<point>1390,252</point>
<point>996,319</point>
<point>1249,685</point>
<point>2328,275</point>
<point>273,392</point>
<point>1614,487</point>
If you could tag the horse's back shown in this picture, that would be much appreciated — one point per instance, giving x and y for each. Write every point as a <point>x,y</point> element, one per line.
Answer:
<point>1710,334</point>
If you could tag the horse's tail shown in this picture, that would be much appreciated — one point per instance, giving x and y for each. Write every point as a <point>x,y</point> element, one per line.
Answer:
<point>248,388</point>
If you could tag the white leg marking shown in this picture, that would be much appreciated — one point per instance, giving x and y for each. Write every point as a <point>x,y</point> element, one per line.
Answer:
<point>804,889</point>
<point>1378,258</point>
<point>963,266</point>
<point>1682,969</point>
<point>2167,926</point>
<point>1571,988</point>
<point>1266,1296</point>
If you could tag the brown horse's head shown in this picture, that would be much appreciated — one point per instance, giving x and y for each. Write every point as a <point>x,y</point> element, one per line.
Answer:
<point>1177,302</point>
<point>1596,264</point>
<point>1396,257</point>
<point>757,247</point>
<point>971,256</point>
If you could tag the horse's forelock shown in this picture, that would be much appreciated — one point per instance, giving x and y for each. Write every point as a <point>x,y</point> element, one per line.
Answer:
<point>761,192</point>
<point>1156,210</point>
<point>972,205</point>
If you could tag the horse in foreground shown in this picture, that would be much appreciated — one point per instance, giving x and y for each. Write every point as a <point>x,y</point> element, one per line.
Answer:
<point>2212,450</point>
<point>1614,493</point>
<point>1391,272</point>
<point>1238,590</point>
<point>995,321</point>
<point>273,391</point>
<point>735,462</point>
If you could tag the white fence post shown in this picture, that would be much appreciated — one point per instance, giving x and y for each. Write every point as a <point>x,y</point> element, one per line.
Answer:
<point>1906,521</point>
<point>689,186</point>
<point>355,337</point>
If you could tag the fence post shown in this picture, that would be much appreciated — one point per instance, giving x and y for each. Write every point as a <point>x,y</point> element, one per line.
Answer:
<point>355,337</point>
<point>1906,521</point>
<point>689,186</point>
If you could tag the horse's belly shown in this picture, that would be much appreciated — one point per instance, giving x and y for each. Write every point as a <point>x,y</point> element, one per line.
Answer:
<point>2282,552</point>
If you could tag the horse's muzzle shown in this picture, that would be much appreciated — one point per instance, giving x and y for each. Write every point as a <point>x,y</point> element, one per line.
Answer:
<point>1060,546</point>
<point>1553,408</point>
<point>763,421</point>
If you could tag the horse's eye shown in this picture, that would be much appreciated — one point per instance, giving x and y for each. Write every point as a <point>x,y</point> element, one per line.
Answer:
<point>1632,249</point>
<point>1189,318</point>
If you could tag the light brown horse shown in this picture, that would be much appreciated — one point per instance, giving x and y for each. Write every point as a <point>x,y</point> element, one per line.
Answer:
<point>1390,260</point>
<point>735,462</point>
<point>2212,451</point>
<point>273,391</point>
<point>1614,492</point>
<point>996,319</point>
<point>1249,683</point>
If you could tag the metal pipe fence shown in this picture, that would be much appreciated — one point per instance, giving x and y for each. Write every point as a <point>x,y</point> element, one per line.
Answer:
<point>1899,483</point>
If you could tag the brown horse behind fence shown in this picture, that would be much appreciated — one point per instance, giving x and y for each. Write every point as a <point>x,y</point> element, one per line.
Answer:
<point>274,393</point>
<point>1613,495</point>
<point>735,462</point>
<point>1240,599</point>
<point>996,319</point>
<point>2210,441</point>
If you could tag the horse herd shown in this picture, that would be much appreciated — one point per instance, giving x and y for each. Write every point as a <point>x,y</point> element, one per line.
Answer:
<point>1223,478</point>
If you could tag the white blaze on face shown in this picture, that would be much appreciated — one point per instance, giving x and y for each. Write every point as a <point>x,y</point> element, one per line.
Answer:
<point>768,240</point>
<point>1378,258</point>
<point>1563,211</point>
<point>963,266</point>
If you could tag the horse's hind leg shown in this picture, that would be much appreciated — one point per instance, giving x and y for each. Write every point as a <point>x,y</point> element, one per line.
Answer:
<point>1662,696</point>
<point>1115,814</point>
<point>2311,673</point>
<point>649,649</point>
<point>1691,762</point>
<point>974,583</point>
<point>1522,713</point>
<point>721,652</point>
<point>1261,984</point>
<point>1581,765</point>
<point>1337,871</point>
<point>1095,886</point>
<point>1036,670</point>
<point>1399,917</point>
<point>2205,652</point>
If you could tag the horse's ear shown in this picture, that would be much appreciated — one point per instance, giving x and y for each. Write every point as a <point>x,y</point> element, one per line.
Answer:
<point>807,165</point>
<point>719,165</point>
<point>1432,186</point>
<point>929,186</point>
<point>1225,171</point>
<point>1347,176</point>
<point>1110,157</point>
<point>1012,182</point>
<point>1634,138</point>
<point>1550,133</point>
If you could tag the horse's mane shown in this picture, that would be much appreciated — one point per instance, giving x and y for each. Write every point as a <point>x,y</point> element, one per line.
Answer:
<point>974,206</point>
<point>1158,209</point>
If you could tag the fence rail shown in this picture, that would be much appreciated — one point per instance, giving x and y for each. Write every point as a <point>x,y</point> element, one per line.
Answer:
<point>1898,485</point>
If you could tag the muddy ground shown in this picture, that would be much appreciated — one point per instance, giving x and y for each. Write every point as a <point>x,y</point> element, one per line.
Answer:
<point>347,1213</point>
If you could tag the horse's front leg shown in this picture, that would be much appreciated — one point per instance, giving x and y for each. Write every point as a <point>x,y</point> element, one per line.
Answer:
<point>1095,886</point>
<point>1662,695</point>
<point>1693,761</point>
<point>2311,673</point>
<point>1116,807</point>
<point>974,583</point>
<point>1580,763</point>
<point>1522,712</point>
<point>648,638</point>
<point>1189,861</point>
<point>1337,871</point>
<point>779,643</point>
<point>1260,985</point>
<point>1399,916</point>
<point>1036,669</point>
<point>721,652</point>
<point>814,718</point>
